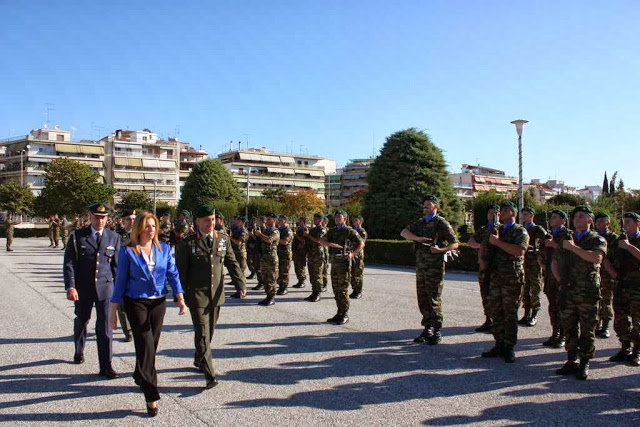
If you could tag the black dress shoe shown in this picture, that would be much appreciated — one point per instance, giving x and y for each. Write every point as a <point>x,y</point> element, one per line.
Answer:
<point>355,295</point>
<point>211,383</point>
<point>109,373</point>
<point>299,285</point>
<point>78,359</point>
<point>152,412</point>
<point>267,302</point>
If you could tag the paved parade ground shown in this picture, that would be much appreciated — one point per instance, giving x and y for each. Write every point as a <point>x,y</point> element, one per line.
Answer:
<point>283,365</point>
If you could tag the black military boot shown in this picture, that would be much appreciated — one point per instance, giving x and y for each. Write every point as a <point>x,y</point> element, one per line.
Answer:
<point>299,285</point>
<point>251,276</point>
<point>583,370</point>
<point>486,326</point>
<point>555,335</point>
<point>634,359</point>
<point>598,330</point>
<point>496,351</point>
<point>282,290</point>
<point>257,287</point>
<point>623,355</point>
<point>267,301</point>
<point>342,318</point>
<point>525,317</point>
<point>560,341</point>
<point>355,295</point>
<point>570,367</point>
<point>425,335</point>
<point>324,288</point>
<point>604,332</point>
<point>533,318</point>
<point>435,338</point>
<point>508,354</point>
<point>314,297</point>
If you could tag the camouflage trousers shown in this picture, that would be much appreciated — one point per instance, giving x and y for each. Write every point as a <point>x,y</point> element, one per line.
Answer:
<point>9,240</point>
<point>626,305</point>
<point>551,288</point>
<point>64,237</point>
<point>605,306</point>
<point>255,262</point>
<point>241,257</point>
<point>429,281</point>
<point>299,265</point>
<point>315,265</point>
<point>54,236</point>
<point>357,271</point>
<point>325,270</point>
<point>579,315</point>
<point>504,299</point>
<point>484,280</point>
<point>250,265</point>
<point>532,283</point>
<point>284,265</point>
<point>340,279</point>
<point>269,274</point>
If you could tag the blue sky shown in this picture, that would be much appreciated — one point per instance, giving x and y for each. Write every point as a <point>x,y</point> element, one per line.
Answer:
<point>334,78</point>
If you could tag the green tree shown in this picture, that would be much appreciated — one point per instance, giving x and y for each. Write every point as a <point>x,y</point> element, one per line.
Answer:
<point>16,198</point>
<point>70,187</point>
<point>259,206</point>
<point>137,200</point>
<point>409,167</point>
<point>209,181</point>
<point>572,200</point>
<point>303,203</point>
<point>605,184</point>
<point>274,193</point>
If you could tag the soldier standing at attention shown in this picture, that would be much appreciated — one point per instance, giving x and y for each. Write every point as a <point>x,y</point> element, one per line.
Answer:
<point>299,249</point>
<point>480,241</point>
<point>430,234</point>
<point>284,255</point>
<point>164,234</point>
<point>605,309</point>
<point>344,244</point>
<point>559,233</point>
<point>325,265</point>
<point>252,248</point>
<point>269,239</point>
<point>65,226</point>
<point>579,305</point>
<point>51,242</point>
<point>507,279</point>
<point>357,265</point>
<point>257,254</point>
<point>199,258</point>
<point>315,256</point>
<point>9,230</point>
<point>623,263</point>
<point>239,236</point>
<point>532,268</point>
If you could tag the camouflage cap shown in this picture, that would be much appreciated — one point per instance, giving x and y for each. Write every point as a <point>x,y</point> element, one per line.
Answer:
<point>632,215</point>
<point>99,209</point>
<point>510,205</point>
<point>204,210</point>
<point>529,209</point>
<point>585,209</point>
<point>430,198</point>
<point>560,213</point>
<point>603,215</point>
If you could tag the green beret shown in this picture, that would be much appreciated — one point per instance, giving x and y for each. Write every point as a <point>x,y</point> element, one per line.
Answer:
<point>182,227</point>
<point>430,198</point>
<point>326,218</point>
<point>99,209</point>
<point>585,209</point>
<point>241,218</point>
<point>128,212</point>
<point>360,218</point>
<point>340,212</point>
<point>560,213</point>
<point>632,215</point>
<point>603,215</point>
<point>219,215</point>
<point>186,213</point>
<point>494,207</point>
<point>272,215</point>
<point>263,218</point>
<point>529,209</point>
<point>317,215</point>
<point>509,205</point>
<point>282,217</point>
<point>204,210</point>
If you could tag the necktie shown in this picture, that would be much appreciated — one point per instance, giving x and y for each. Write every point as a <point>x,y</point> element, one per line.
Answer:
<point>98,238</point>
<point>209,241</point>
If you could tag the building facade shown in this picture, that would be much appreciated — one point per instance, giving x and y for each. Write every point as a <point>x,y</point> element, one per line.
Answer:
<point>473,179</point>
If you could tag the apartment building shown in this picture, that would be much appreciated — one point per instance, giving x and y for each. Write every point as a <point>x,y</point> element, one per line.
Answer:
<point>266,170</point>
<point>189,156</point>
<point>472,179</point>
<point>24,158</point>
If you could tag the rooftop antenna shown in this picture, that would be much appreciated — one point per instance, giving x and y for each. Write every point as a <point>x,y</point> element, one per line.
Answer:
<point>246,138</point>
<point>177,131</point>
<point>50,108</point>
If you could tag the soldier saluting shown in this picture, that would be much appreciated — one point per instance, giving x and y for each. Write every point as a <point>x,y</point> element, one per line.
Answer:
<point>429,234</point>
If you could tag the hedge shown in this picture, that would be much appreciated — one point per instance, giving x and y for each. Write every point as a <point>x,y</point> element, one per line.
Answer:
<point>26,232</point>
<point>400,252</point>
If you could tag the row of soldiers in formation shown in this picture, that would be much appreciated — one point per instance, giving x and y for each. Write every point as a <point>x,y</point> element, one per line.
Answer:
<point>589,274</point>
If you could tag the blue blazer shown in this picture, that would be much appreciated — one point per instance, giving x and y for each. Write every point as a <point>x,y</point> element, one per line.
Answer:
<point>88,268</point>
<point>134,280</point>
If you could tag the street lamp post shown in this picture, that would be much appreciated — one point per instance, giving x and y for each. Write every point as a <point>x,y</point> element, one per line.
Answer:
<point>519,126</point>
<point>22,152</point>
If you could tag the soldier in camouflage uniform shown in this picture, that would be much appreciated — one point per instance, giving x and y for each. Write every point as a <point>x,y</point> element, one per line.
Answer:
<point>532,268</point>
<point>9,230</point>
<point>507,279</point>
<point>605,309</point>
<point>239,237</point>
<point>315,257</point>
<point>65,226</point>
<point>284,255</point>
<point>480,241</point>
<point>325,265</point>
<point>623,263</point>
<point>300,253</point>
<point>55,230</point>
<point>269,239</point>
<point>580,291</point>
<point>124,230</point>
<point>344,244</point>
<point>253,246</point>
<point>430,234</point>
<point>256,255</point>
<point>357,265</point>
<point>558,234</point>
<point>164,233</point>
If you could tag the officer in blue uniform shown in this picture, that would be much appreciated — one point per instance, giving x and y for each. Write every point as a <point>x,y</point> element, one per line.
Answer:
<point>90,261</point>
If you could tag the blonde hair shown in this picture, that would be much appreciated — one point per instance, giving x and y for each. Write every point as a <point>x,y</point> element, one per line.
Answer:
<point>139,224</point>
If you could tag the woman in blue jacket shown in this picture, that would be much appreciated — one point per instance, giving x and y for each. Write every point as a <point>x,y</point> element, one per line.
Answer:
<point>143,266</point>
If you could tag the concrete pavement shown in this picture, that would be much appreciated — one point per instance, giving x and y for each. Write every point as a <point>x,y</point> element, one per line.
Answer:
<point>283,365</point>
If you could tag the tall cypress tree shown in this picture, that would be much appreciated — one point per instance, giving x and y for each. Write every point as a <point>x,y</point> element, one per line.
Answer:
<point>605,184</point>
<point>409,167</point>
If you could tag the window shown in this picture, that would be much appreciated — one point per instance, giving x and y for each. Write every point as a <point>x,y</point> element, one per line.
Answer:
<point>59,137</point>
<point>306,163</point>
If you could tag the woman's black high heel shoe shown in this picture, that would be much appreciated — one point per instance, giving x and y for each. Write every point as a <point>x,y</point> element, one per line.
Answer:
<point>152,412</point>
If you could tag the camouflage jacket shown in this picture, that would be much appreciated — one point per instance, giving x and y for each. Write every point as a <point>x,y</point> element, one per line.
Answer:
<point>581,273</point>
<point>482,236</point>
<point>242,235</point>
<point>125,238</point>
<point>164,234</point>
<point>503,262</point>
<point>287,235</point>
<point>299,243</point>
<point>626,265</point>
<point>363,235</point>
<point>344,236</point>
<point>270,250</point>
<point>537,236</point>
<point>437,229</point>
<point>313,249</point>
